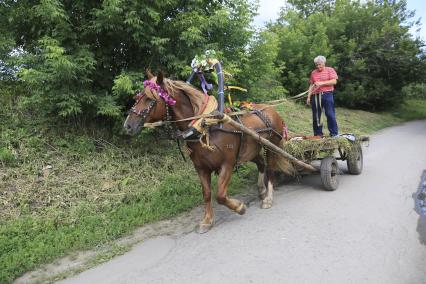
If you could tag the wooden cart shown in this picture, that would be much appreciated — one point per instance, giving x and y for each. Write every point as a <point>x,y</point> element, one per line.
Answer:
<point>328,170</point>
<point>328,150</point>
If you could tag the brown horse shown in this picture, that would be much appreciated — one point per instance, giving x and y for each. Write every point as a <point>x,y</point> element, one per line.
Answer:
<point>176,100</point>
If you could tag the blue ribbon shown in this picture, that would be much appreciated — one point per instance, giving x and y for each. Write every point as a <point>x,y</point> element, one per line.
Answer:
<point>204,85</point>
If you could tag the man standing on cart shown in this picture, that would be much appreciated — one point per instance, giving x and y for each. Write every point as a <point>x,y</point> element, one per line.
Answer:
<point>320,96</point>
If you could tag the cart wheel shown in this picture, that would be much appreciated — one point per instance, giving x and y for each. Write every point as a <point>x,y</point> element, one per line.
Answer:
<point>355,160</point>
<point>329,171</point>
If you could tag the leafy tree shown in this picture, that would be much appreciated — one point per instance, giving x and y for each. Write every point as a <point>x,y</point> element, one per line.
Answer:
<point>309,7</point>
<point>194,27</point>
<point>72,51</point>
<point>86,58</point>
<point>300,42</point>
<point>260,73</point>
<point>368,43</point>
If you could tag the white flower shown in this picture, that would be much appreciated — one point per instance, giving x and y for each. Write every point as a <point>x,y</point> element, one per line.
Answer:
<point>194,63</point>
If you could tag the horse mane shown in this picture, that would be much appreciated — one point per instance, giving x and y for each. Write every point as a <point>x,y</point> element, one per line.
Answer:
<point>195,96</point>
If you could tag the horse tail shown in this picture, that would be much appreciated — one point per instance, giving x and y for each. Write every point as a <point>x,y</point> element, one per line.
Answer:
<point>280,163</point>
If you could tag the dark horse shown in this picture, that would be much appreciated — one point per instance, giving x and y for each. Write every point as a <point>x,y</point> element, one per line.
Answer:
<point>175,100</point>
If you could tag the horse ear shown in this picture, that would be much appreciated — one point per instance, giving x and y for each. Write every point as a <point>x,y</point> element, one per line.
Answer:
<point>149,74</point>
<point>160,78</point>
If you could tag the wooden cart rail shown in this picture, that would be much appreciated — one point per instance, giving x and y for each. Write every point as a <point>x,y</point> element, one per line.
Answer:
<point>329,169</point>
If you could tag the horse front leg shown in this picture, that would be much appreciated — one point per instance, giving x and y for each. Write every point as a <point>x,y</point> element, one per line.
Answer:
<point>208,220</point>
<point>222,189</point>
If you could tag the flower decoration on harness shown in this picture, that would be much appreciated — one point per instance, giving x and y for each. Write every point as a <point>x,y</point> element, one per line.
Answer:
<point>204,62</point>
<point>160,91</point>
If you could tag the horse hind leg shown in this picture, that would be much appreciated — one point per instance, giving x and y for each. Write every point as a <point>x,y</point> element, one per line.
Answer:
<point>222,188</point>
<point>261,185</point>
<point>267,200</point>
<point>269,178</point>
<point>274,162</point>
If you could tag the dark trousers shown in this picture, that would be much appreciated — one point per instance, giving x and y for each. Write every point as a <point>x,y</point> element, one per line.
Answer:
<point>327,103</point>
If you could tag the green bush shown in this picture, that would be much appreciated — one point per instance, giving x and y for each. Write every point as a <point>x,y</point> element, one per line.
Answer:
<point>415,91</point>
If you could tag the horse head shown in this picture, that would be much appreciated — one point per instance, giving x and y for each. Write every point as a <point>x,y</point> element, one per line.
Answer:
<point>150,106</point>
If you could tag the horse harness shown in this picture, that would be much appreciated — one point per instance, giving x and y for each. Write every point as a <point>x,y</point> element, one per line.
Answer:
<point>264,119</point>
<point>144,112</point>
<point>173,133</point>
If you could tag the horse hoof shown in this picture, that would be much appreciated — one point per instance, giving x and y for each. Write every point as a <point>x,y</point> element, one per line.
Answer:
<point>203,228</point>
<point>242,209</point>
<point>266,204</point>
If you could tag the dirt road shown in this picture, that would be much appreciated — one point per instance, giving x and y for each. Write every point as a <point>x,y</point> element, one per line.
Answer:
<point>365,232</point>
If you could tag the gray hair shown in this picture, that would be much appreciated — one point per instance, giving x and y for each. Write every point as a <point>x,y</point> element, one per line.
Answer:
<point>319,59</point>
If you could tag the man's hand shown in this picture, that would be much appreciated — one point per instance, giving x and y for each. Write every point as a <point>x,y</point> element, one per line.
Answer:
<point>308,99</point>
<point>325,83</point>
<point>318,84</point>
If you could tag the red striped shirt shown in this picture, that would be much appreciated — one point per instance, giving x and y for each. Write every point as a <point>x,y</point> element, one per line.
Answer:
<point>326,74</point>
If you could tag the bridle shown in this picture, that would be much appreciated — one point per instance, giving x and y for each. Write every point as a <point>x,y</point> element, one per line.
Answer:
<point>144,112</point>
<point>168,100</point>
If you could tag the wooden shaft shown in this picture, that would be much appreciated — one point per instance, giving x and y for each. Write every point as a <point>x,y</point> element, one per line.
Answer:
<point>266,142</point>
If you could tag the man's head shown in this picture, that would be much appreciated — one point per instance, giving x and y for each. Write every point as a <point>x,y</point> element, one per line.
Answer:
<point>320,62</point>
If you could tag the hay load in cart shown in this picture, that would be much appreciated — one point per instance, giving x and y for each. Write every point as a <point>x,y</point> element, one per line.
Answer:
<point>345,147</point>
